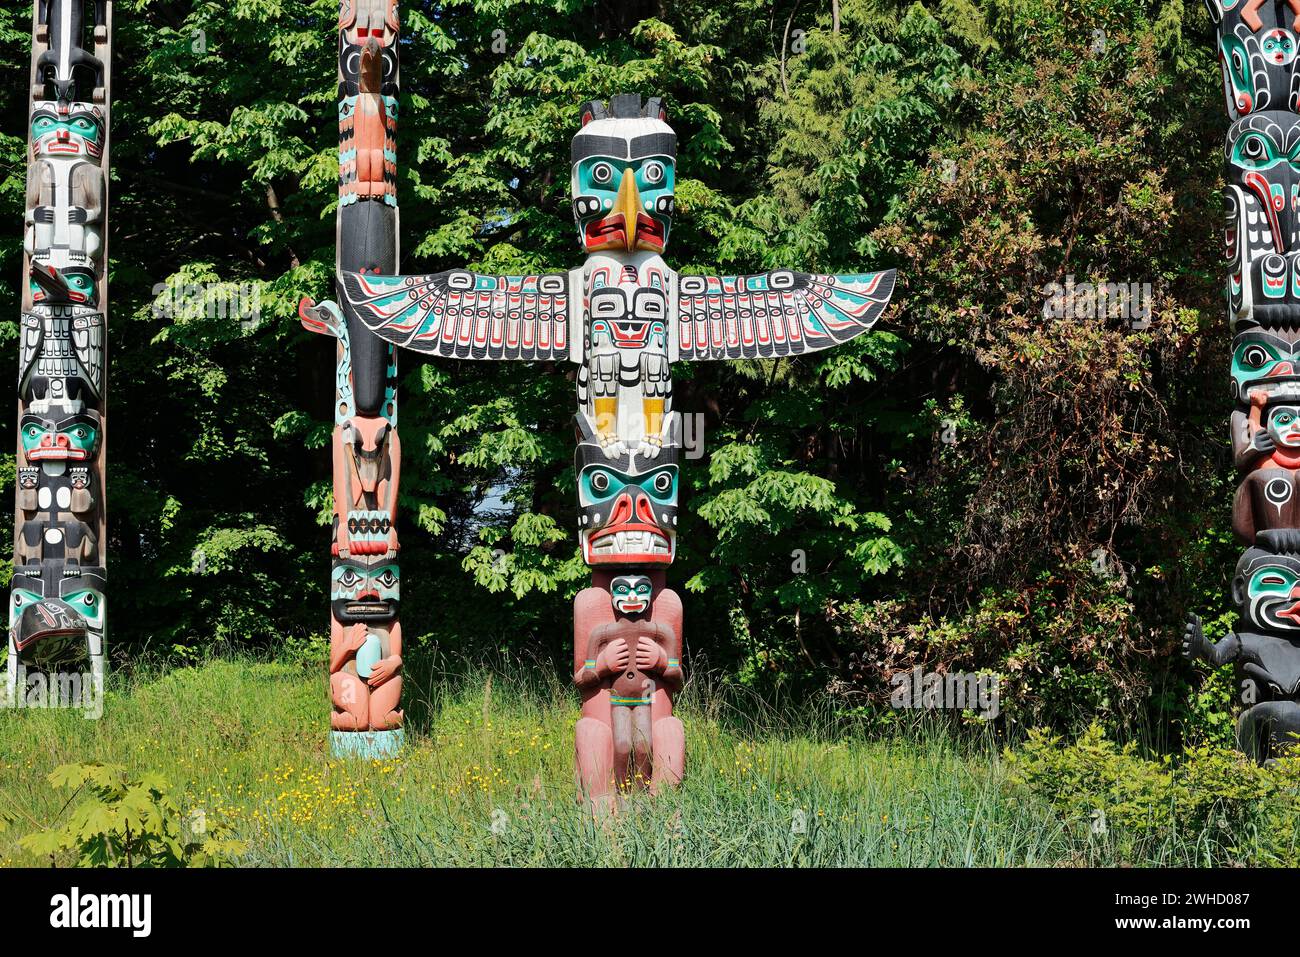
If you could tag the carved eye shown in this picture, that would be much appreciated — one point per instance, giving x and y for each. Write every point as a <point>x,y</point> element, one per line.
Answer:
<point>600,481</point>
<point>653,172</point>
<point>387,579</point>
<point>1272,580</point>
<point>1254,356</point>
<point>663,483</point>
<point>602,173</point>
<point>1253,147</point>
<point>349,578</point>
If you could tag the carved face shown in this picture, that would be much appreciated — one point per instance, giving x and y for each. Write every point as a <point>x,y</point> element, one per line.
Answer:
<point>1284,426</point>
<point>1277,46</point>
<point>70,285</point>
<point>1266,589</point>
<point>75,131</point>
<point>365,590</point>
<point>366,442</point>
<point>54,437</point>
<point>1263,159</point>
<point>624,174</point>
<point>1268,361</point>
<point>366,68</point>
<point>627,506</point>
<point>630,594</point>
<point>626,318</point>
<point>52,613</point>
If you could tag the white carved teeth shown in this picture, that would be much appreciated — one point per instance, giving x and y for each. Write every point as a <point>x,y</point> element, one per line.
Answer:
<point>631,543</point>
<point>1280,390</point>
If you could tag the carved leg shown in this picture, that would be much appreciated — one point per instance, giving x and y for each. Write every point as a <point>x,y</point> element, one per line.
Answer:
<point>384,713</point>
<point>351,702</point>
<point>621,720</point>
<point>1267,730</point>
<point>669,754</point>
<point>594,759</point>
<point>642,750</point>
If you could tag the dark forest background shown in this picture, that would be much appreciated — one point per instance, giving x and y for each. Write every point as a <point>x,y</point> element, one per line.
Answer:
<point>972,486</point>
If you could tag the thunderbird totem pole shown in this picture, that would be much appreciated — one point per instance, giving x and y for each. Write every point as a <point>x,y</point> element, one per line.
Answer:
<point>623,317</point>
<point>365,635</point>
<point>56,612</point>
<point>1257,53</point>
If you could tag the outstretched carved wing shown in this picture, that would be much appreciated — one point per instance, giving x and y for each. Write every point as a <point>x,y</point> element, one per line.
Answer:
<point>781,313</point>
<point>462,315</point>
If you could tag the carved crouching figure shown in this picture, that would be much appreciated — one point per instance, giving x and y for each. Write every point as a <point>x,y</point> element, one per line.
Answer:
<point>627,658</point>
<point>1265,650</point>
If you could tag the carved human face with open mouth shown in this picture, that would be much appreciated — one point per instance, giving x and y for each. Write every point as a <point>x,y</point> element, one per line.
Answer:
<point>365,590</point>
<point>630,594</point>
<point>56,437</point>
<point>74,130</point>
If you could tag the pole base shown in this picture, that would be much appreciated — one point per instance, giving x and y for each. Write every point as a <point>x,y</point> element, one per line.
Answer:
<point>367,744</point>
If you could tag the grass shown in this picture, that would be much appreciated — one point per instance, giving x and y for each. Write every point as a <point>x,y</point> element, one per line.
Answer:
<point>487,780</point>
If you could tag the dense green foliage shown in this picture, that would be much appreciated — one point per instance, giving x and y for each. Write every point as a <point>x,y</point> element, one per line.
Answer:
<point>972,486</point>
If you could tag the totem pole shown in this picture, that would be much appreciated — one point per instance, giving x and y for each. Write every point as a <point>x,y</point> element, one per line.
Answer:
<point>56,612</point>
<point>365,636</point>
<point>1257,53</point>
<point>623,317</point>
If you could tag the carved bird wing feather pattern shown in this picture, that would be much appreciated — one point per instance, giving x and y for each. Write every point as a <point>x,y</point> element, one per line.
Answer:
<point>464,315</point>
<point>778,313</point>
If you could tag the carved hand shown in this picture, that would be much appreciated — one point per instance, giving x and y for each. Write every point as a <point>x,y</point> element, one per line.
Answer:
<point>383,670</point>
<point>614,657</point>
<point>649,655</point>
<point>356,637</point>
<point>1195,644</point>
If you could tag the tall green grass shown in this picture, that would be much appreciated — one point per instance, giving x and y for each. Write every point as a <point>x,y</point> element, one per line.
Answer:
<point>487,779</point>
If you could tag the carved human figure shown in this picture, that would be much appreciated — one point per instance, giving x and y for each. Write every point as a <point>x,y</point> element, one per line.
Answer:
<point>1265,648</point>
<point>365,646</point>
<point>627,656</point>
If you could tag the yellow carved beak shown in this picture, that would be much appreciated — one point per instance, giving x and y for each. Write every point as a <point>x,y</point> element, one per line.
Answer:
<point>628,203</point>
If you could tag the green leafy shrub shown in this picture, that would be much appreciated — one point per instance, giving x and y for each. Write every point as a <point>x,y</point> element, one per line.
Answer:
<point>1208,795</point>
<point>130,822</point>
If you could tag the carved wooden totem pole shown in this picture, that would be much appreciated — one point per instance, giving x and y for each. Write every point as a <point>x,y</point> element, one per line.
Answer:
<point>56,613</point>
<point>623,317</point>
<point>1257,53</point>
<point>365,635</point>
